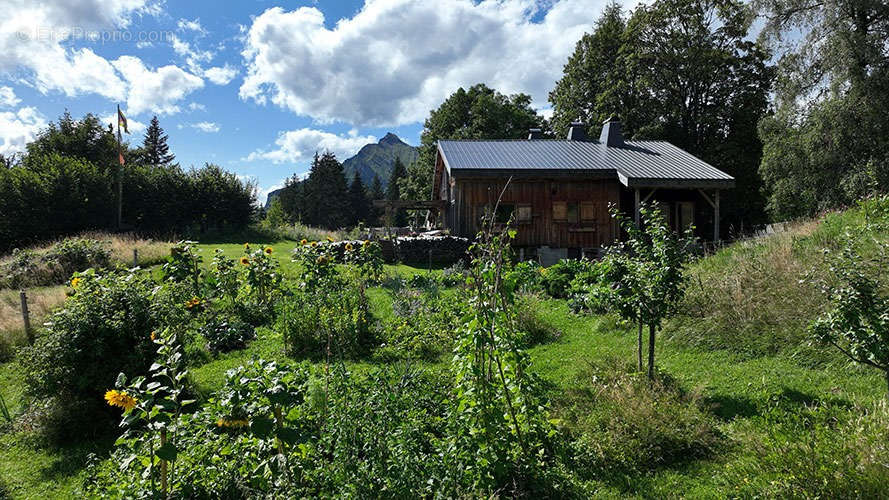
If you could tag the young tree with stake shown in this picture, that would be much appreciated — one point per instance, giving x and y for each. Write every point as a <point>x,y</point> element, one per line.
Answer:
<point>647,272</point>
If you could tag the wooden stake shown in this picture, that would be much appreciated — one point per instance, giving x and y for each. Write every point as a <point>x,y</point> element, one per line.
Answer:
<point>135,257</point>
<point>26,317</point>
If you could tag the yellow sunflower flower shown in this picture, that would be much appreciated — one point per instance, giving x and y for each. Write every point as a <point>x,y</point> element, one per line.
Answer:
<point>121,399</point>
<point>228,422</point>
<point>366,242</point>
<point>153,336</point>
<point>348,247</point>
<point>321,260</point>
<point>246,246</point>
<point>75,282</point>
<point>245,261</point>
<point>314,244</point>
<point>303,242</point>
<point>330,239</point>
<point>268,250</point>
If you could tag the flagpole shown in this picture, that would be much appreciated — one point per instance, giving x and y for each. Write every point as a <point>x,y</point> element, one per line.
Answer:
<point>119,174</point>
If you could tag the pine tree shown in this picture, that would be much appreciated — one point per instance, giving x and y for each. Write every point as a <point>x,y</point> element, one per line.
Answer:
<point>358,200</point>
<point>393,191</point>
<point>155,150</point>
<point>376,193</point>
<point>325,190</point>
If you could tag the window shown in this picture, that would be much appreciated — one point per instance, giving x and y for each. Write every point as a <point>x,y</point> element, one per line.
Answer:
<point>560,211</point>
<point>523,213</point>
<point>588,211</point>
<point>686,212</point>
<point>572,213</point>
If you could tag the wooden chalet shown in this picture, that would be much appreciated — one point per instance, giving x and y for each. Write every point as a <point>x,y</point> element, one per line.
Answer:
<point>561,189</point>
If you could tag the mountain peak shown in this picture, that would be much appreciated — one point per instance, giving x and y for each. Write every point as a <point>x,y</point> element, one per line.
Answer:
<point>391,138</point>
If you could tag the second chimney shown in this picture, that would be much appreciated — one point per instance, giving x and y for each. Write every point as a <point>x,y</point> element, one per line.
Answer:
<point>611,135</point>
<point>535,133</point>
<point>577,131</point>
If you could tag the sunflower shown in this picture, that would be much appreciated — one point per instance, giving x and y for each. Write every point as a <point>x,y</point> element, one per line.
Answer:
<point>75,282</point>
<point>153,336</point>
<point>121,399</point>
<point>348,247</point>
<point>303,242</point>
<point>330,239</point>
<point>321,260</point>
<point>366,242</point>
<point>314,244</point>
<point>246,246</point>
<point>268,250</point>
<point>192,303</point>
<point>245,261</point>
<point>229,422</point>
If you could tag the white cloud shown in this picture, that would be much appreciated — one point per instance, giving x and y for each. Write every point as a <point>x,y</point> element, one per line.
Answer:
<point>301,144</point>
<point>157,90</point>
<point>397,59</point>
<point>18,128</point>
<point>192,25</point>
<point>35,38</point>
<point>221,75</point>
<point>195,106</point>
<point>208,127</point>
<point>8,98</point>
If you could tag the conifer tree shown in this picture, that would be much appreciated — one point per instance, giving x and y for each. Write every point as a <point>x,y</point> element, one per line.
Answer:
<point>376,193</point>
<point>155,150</point>
<point>393,191</point>
<point>325,190</point>
<point>358,200</point>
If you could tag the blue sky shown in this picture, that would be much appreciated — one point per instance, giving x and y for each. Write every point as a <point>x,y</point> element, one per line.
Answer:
<point>258,86</point>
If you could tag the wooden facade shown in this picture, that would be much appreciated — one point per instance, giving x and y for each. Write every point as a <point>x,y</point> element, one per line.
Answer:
<point>561,213</point>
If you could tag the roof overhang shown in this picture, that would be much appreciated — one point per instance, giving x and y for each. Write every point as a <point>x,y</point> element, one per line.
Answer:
<point>641,182</point>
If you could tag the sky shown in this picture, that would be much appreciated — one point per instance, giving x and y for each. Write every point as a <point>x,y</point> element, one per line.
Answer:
<point>258,86</point>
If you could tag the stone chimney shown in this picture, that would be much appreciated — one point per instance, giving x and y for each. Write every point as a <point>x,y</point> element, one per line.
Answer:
<point>611,135</point>
<point>577,131</point>
<point>535,133</point>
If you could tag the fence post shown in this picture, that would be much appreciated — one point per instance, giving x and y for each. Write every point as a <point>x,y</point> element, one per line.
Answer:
<point>26,318</point>
<point>135,257</point>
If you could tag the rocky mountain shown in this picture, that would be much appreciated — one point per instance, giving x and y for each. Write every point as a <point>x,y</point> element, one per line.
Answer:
<point>377,159</point>
<point>374,159</point>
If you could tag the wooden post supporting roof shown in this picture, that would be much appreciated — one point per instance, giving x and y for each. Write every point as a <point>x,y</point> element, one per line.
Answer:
<point>714,202</point>
<point>636,194</point>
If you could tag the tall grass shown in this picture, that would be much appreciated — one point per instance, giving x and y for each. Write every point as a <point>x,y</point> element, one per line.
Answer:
<point>53,263</point>
<point>41,301</point>
<point>755,298</point>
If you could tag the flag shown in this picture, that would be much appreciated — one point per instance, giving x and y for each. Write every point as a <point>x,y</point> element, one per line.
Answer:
<point>121,123</point>
<point>120,157</point>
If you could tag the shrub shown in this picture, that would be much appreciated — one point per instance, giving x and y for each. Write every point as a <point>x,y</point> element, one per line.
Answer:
<point>226,333</point>
<point>103,329</point>
<point>557,278</point>
<point>527,277</point>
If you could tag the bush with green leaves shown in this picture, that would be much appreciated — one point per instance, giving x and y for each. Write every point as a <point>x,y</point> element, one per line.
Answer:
<point>103,329</point>
<point>226,332</point>
<point>857,321</point>
<point>527,276</point>
<point>556,279</point>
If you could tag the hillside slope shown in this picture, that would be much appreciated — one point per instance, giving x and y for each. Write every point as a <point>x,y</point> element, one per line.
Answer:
<point>757,297</point>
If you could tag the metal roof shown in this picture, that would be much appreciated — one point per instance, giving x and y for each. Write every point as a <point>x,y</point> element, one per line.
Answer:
<point>635,163</point>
